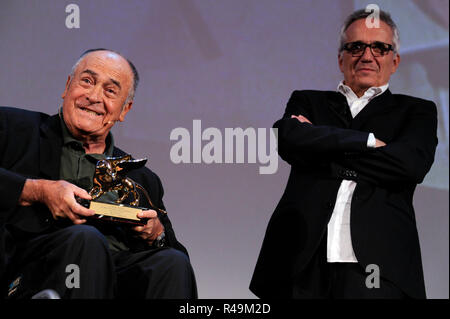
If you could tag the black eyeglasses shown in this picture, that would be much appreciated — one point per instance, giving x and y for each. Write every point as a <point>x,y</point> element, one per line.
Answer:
<point>358,48</point>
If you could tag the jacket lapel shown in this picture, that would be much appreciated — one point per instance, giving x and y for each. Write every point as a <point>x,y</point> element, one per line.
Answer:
<point>339,107</point>
<point>50,147</point>
<point>378,105</point>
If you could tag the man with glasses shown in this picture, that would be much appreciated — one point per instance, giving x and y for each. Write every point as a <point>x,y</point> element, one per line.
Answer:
<point>345,226</point>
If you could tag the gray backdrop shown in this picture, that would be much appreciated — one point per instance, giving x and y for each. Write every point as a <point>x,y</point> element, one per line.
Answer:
<point>229,63</point>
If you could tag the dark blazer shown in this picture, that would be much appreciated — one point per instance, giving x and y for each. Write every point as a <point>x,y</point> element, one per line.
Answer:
<point>30,147</point>
<point>383,227</point>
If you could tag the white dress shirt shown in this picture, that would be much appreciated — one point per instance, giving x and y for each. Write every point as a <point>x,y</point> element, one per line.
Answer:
<point>339,242</point>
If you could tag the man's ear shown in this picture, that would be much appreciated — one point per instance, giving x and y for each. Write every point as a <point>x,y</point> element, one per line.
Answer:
<point>125,110</point>
<point>69,79</point>
<point>395,63</point>
<point>340,61</point>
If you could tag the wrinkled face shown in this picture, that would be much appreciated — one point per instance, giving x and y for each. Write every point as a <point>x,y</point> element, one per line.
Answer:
<point>94,96</point>
<point>361,73</point>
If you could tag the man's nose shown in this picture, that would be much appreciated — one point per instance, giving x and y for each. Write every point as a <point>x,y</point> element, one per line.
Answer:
<point>95,94</point>
<point>367,55</point>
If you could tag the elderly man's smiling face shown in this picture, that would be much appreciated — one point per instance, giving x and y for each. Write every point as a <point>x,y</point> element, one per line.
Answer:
<point>95,95</point>
<point>361,73</point>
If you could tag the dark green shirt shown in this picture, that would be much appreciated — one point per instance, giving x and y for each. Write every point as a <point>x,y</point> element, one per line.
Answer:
<point>78,168</point>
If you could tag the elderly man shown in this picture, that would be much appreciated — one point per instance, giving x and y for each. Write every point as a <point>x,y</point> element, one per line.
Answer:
<point>48,161</point>
<point>345,225</point>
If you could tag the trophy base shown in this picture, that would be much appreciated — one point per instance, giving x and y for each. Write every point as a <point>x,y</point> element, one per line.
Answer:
<point>118,213</point>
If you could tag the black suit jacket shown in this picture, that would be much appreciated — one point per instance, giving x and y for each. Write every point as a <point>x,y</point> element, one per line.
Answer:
<point>30,147</point>
<point>383,227</point>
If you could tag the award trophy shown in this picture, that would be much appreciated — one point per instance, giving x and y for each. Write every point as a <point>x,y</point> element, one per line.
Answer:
<point>110,175</point>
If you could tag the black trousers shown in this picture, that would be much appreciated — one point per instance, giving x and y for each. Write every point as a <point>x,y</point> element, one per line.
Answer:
<point>323,280</point>
<point>76,262</point>
<point>349,281</point>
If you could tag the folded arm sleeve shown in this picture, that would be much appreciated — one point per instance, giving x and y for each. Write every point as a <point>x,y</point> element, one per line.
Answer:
<point>408,158</point>
<point>305,143</point>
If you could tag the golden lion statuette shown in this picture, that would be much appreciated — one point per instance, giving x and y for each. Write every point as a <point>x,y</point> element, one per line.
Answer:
<point>110,175</point>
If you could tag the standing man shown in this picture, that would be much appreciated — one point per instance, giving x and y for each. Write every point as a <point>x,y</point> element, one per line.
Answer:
<point>45,161</point>
<point>345,225</point>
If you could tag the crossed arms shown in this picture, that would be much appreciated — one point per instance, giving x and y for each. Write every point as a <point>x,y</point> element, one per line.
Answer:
<point>406,158</point>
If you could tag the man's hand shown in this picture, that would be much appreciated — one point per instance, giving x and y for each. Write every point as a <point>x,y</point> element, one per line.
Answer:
<point>152,229</point>
<point>301,118</point>
<point>379,143</point>
<point>58,196</point>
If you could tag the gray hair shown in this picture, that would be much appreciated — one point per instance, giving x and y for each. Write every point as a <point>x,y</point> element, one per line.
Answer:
<point>132,90</point>
<point>363,14</point>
